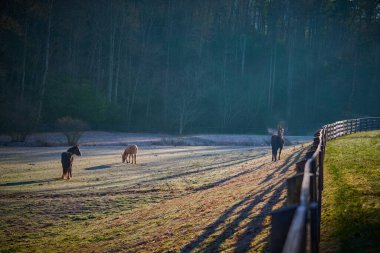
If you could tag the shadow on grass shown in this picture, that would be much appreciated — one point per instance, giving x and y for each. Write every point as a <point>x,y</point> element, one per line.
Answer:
<point>99,167</point>
<point>29,182</point>
<point>202,170</point>
<point>254,225</point>
<point>205,187</point>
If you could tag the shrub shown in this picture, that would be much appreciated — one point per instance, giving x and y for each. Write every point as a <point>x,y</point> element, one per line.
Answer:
<point>72,128</point>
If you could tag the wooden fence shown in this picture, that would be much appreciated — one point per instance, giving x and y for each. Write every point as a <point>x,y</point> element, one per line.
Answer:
<point>296,227</point>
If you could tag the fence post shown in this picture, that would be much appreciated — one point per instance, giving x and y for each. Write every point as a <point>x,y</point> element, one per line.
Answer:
<point>281,220</point>
<point>315,229</point>
<point>304,225</point>
<point>300,166</point>
<point>294,188</point>
<point>313,187</point>
<point>320,169</point>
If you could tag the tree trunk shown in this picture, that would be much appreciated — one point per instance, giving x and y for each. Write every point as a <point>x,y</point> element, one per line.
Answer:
<point>224,89</point>
<point>119,59</point>
<point>111,57</point>
<point>291,37</point>
<point>149,98</point>
<point>182,115</point>
<point>23,72</point>
<point>132,101</point>
<point>46,65</point>
<point>243,50</point>
<point>166,92</point>
<point>117,78</point>
<point>353,85</point>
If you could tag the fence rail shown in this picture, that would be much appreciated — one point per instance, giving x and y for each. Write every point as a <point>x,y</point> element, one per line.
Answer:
<point>296,227</point>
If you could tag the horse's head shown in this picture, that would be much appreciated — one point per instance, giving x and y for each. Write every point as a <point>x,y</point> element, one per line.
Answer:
<point>75,150</point>
<point>281,131</point>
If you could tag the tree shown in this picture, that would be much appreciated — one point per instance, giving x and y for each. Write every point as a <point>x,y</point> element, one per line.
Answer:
<point>46,63</point>
<point>72,129</point>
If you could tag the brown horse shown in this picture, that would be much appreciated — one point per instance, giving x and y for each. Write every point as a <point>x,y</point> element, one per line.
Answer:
<point>67,159</point>
<point>277,142</point>
<point>129,152</point>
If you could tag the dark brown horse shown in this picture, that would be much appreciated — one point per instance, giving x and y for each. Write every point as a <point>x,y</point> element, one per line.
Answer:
<point>277,142</point>
<point>67,159</point>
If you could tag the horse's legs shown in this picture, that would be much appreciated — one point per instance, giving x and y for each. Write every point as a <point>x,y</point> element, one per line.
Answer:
<point>63,173</point>
<point>279,153</point>
<point>134,157</point>
<point>69,173</point>
<point>274,154</point>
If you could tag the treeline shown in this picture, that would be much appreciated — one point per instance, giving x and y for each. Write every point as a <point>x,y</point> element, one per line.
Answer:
<point>187,66</point>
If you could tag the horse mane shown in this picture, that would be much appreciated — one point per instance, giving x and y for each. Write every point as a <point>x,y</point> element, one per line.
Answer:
<point>280,132</point>
<point>70,150</point>
<point>74,150</point>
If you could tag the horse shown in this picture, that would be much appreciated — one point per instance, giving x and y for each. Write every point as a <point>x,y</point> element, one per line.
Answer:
<point>277,142</point>
<point>130,151</point>
<point>67,159</point>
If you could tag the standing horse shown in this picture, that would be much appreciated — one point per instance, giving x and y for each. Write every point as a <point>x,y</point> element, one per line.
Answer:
<point>67,159</point>
<point>277,142</point>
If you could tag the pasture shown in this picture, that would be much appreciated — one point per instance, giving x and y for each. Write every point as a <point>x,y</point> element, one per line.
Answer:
<point>351,197</point>
<point>176,199</point>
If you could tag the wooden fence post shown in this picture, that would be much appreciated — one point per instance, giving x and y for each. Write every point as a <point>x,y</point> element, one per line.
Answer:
<point>315,221</point>
<point>300,166</point>
<point>294,188</point>
<point>313,187</point>
<point>281,220</point>
<point>302,223</point>
<point>320,170</point>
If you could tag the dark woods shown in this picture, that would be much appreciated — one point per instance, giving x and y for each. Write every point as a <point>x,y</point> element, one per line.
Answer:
<point>188,66</point>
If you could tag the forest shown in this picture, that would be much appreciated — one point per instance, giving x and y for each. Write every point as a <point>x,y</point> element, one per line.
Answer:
<point>188,66</point>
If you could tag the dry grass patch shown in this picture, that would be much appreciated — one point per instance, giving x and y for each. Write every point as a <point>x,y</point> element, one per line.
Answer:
<point>199,199</point>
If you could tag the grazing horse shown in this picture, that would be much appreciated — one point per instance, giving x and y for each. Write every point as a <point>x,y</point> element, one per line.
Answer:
<point>129,152</point>
<point>67,159</point>
<point>277,142</point>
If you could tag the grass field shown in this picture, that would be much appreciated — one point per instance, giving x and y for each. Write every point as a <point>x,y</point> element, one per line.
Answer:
<point>351,197</point>
<point>176,199</point>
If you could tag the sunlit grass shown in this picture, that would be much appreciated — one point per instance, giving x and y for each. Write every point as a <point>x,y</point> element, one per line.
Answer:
<point>351,203</point>
<point>205,198</point>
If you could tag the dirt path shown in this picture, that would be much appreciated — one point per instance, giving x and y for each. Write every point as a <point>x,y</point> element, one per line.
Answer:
<point>193,199</point>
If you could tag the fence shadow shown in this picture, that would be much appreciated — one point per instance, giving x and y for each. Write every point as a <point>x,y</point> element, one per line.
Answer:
<point>29,182</point>
<point>254,226</point>
<point>217,183</point>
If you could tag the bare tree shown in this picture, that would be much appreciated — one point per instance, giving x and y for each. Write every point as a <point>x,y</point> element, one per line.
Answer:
<point>72,128</point>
